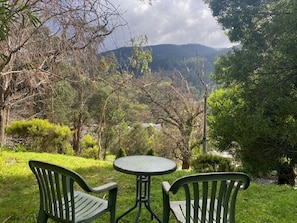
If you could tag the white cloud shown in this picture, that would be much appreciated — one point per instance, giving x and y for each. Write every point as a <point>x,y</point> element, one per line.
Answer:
<point>168,22</point>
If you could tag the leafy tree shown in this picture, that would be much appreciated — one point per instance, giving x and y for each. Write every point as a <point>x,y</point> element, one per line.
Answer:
<point>177,109</point>
<point>140,57</point>
<point>60,103</point>
<point>114,105</point>
<point>111,121</point>
<point>137,141</point>
<point>262,73</point>
<point>235,129</point>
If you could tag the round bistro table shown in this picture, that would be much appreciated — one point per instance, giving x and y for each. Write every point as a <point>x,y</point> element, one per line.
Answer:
<point>143,167</point>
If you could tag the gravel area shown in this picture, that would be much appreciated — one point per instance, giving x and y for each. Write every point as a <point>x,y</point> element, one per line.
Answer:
<point>265,180</point>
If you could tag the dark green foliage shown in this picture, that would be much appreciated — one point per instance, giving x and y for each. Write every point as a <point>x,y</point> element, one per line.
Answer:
<point>63,103</point>
<point>121,153</point>
<point>286,173</point>
<point>238,17</point>
<point>151,152</point>
<point>40,135</point>
<point>137,140</point>
<point>212,163</point>
<point>260,117</point>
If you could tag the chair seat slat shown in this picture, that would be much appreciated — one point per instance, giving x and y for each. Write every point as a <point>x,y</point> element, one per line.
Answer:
<point>179,208</point>
<point>88,206</point>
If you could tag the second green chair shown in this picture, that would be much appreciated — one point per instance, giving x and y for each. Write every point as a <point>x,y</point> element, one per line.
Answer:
<point>201,198</point>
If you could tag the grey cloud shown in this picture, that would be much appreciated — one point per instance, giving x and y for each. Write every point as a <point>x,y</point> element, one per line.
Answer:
<point>168,22</point>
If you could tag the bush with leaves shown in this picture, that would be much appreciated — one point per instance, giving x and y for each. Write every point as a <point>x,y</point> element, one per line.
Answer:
<point>151,152</point>
<point>212,163</point>
<point>121,153</point>
<point>40,135</point>
<point>89,148</point>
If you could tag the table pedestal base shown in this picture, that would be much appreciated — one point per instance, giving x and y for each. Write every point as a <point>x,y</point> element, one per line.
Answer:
<point>143,184</point>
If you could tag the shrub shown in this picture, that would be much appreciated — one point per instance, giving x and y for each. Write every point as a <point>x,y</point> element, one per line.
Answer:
<point>151,152</point>
<point>89,148</point>
<point>88,142</point>
<point>68,150</point>
<point>286,173</point>
<point>90,153</point>
<point>19,148</point>
<point>212,163</point>
<point>40,135</point>
<point>121,153</point>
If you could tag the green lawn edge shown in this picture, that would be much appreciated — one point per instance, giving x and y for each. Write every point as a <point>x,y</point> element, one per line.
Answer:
<point>19,197</point>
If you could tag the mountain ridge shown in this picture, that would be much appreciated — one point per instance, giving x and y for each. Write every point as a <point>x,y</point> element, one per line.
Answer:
<point>183,50</point>
<point>169,57</point>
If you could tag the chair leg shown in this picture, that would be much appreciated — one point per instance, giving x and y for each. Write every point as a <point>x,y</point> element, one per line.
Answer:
<point>42,217</point>
<point>166,216</point>
<point>166,208</point>
<point>112,202</point>
<point>112,215</point>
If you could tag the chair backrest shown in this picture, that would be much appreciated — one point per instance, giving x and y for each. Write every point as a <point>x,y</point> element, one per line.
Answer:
<point>211,197</point>
<point>56,189</point>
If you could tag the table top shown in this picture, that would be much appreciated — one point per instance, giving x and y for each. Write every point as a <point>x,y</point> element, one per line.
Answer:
<point>144,165</point>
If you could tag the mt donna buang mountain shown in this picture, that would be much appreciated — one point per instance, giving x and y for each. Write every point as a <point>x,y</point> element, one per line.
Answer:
<point>169,57</point>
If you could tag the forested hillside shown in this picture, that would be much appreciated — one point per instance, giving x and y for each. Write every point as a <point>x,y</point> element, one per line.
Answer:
<point>184,58</point>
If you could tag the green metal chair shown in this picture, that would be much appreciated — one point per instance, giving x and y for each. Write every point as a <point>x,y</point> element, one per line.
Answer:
<point>60,202</point>
<point>209,197</point>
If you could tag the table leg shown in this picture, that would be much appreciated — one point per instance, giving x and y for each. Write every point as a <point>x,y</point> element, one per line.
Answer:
<point>142,196</point>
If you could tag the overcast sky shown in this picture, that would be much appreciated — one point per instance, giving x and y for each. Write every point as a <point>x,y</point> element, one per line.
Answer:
<point>167,22</point>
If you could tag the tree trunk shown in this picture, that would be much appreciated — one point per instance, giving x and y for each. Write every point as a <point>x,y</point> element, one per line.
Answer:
<point>186,164</point>
<point>99,142</point>
<point>76,141</point>
<point>185,146</point>
<point>186,158</point>
<point>76,135</point>
<point>2,134</point>
<point>3,121</point>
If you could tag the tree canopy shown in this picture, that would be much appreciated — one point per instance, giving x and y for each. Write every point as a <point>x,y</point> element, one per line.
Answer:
<point>257,108</point>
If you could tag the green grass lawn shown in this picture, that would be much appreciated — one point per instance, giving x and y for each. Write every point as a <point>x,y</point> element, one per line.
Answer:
<point>19,197</point>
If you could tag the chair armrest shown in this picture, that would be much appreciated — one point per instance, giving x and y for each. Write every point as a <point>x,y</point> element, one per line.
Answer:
<point>104,187</point>
<point>165,187</point>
